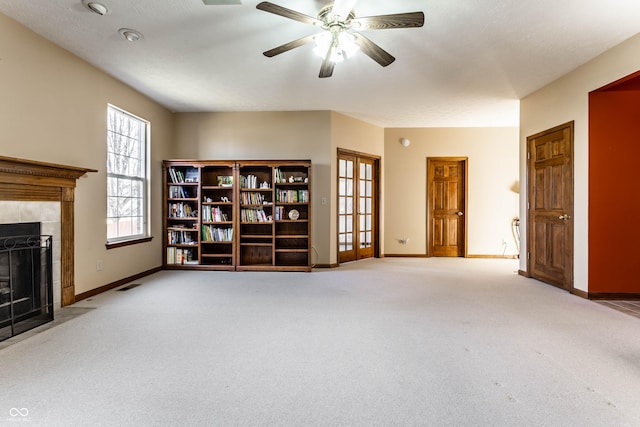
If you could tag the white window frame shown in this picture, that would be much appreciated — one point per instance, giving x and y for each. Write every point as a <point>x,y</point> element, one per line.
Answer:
<point>138,213</point>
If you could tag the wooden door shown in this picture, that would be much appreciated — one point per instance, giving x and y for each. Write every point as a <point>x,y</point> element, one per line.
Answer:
<point>366,204</point>
<point>550,206</point>
<point>446,206</point>
<point>357,206</point>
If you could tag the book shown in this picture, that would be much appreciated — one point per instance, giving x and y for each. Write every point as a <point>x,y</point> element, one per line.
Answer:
<point>191,175</point>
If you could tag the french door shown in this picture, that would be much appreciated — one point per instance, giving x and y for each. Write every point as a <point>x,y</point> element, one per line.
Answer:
<point>357,206</point>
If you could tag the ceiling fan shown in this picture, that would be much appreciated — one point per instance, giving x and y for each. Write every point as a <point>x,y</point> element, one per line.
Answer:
<point>338,38</point>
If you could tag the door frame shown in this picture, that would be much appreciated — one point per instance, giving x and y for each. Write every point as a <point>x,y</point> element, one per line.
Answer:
<point>530,232</point>
<point>377,197</point>
<point>465,164</point>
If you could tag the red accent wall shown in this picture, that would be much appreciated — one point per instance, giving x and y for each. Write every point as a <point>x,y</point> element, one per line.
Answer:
<point>614,188</point>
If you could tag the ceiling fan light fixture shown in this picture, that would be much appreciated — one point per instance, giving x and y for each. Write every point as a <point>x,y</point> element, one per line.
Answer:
<point>323,41</point>
<point>347,43</point>
<point>336,55</point>
<point>342,45</point>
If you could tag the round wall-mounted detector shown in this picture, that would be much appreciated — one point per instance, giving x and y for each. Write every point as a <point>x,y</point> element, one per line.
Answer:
<point>95,7</point>
<point>129,34</point>
<point>405,142</point>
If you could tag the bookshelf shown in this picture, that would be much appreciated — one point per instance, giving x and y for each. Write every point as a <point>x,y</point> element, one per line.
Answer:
<point>217,212</point>
<point>237,215</point>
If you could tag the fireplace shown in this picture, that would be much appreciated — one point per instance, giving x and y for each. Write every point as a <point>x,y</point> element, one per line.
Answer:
<point>34,181</point>
<point>26,286</point>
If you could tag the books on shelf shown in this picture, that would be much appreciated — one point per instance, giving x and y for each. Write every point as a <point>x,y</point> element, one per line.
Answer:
<point>252,198</point>
<point>279,213</point>
<point>180,256</point>
<point>177,192</point>
<point>213,214</point>
<point>176,175</point>
<point>253,215</point>
<point>179,237</point>
<point>251,181</point>
<point>181,210</point>
<point>216,234</point>
<point>278,176</point>
<point>292,196</point>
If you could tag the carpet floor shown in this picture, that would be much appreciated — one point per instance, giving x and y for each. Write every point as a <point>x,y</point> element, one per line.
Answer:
<point>382,342</point>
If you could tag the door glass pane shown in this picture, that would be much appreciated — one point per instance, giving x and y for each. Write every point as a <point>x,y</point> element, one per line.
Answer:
<point>342,168</point>
<point>369,188</point>
<point>363,202</point>
<point>349,190</point>
<point>363,238</point>
<point>368,222</point>
<point>349,205</point>
<point>363,172</point>
<point>368,239</point>
<point>342,205</point>
<point>362,188</point>
<point>343,223</point>
<point>368,206</point>
<point>349,224</point>
<point>369,172</point>
<point>343,187</point>
<point>362,222</point>
<point>349,166</point>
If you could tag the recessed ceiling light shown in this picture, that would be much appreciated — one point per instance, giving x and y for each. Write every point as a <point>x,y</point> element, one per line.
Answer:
<point>129,34</point>
<point>95,7</point>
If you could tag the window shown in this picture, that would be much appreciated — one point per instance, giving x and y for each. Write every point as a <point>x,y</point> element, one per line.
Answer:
<point>126,176</point>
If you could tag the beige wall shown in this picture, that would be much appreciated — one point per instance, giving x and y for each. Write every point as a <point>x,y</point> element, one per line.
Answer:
<point>53,109</point>
<point>562,101</point>
<point>492,173</point>
<point>313,135</point>
<point>266,136</point>
<point>350,134</point>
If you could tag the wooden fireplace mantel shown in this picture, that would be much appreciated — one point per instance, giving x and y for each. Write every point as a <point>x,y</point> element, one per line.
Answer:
<point>29,180</point>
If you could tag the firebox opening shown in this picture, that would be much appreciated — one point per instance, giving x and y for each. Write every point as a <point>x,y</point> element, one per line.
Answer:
<point>26,288</point>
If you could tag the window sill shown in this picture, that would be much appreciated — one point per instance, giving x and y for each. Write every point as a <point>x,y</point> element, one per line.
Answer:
<point>128,242</point>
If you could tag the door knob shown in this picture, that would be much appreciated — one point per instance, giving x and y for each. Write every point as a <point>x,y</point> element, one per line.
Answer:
<point>459,213</point>
<point>564,217</point>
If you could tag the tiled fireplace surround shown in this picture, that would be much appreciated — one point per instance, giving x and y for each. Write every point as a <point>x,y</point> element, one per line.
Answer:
<point>33,191</point>
<point>48,215</point>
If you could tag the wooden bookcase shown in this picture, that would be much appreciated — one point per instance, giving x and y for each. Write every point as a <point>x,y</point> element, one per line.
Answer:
<point>237,215</point>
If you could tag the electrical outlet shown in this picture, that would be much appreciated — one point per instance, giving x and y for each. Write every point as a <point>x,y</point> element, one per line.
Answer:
<point>99,265</point>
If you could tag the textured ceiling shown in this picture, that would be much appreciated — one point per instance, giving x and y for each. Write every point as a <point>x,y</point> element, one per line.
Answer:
<point>467,66</point>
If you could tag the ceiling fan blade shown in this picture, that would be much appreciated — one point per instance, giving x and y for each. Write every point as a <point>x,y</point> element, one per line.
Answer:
<point>373,51</point>
<point>288,46</point>
<point>326,70</point>
<point>287,13</point>
<point>383,22</point>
